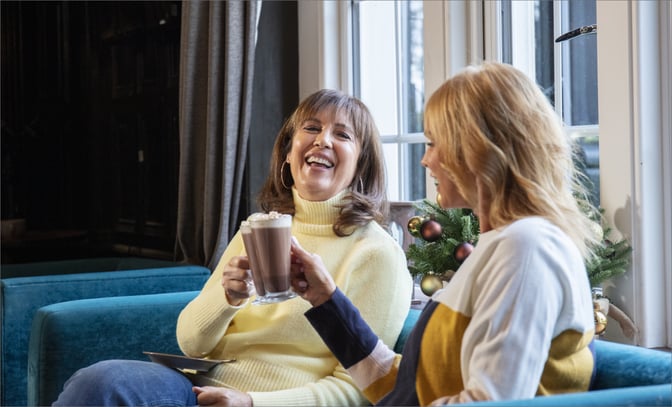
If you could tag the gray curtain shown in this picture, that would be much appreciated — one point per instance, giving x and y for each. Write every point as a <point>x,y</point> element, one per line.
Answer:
<point>216,72</point>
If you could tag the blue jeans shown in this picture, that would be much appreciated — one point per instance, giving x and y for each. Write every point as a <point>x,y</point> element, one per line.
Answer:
<point>127,383</point>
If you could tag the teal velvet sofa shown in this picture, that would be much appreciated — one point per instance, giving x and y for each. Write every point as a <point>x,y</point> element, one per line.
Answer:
<point>31,287</point>
<point>64,338</point>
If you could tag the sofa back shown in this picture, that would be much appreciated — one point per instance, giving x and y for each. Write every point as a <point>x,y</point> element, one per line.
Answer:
<point>76,266</point>
<point>20,297</point>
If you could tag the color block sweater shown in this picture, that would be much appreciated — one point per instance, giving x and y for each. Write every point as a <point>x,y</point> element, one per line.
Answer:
<point>280,359</point>
<point>515,321</point>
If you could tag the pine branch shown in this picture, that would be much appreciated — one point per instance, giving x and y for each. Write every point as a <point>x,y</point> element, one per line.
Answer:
<point>457,226</point>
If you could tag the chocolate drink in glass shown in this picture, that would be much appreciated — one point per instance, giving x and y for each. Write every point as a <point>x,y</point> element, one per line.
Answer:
<point>272,239</point>
<point>253,256</point>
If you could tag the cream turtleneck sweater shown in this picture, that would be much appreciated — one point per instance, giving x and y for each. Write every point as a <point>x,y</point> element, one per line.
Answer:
<point>280,360</point>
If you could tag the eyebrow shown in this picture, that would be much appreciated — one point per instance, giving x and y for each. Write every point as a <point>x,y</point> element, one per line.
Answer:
<point>344,126</point>
<point>340,125</point>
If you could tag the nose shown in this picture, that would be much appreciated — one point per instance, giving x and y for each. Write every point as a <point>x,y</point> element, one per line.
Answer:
<point>423,162</point>
<point>323,140</point>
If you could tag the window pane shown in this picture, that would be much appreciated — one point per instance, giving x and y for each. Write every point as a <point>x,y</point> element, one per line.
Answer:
<point>579,66</point>
<point>528,42</point>
<point>389,78</point>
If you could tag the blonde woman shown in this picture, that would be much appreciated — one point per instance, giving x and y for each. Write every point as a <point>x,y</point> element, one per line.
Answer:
<point>516,320</point>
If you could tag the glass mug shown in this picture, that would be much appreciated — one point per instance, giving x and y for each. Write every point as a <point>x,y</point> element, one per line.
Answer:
<point>267,238</point>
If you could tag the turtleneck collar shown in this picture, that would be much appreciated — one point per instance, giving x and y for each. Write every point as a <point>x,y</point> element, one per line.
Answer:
<point>316,216</point>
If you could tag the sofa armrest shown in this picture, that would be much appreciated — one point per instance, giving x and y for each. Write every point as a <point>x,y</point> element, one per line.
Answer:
<point>71,335</point>
<point>621,365</point>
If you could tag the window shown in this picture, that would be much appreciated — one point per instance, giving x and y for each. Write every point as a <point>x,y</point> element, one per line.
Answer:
<point>388,76</point>
<point>630,74</point>
<point>565,71</point>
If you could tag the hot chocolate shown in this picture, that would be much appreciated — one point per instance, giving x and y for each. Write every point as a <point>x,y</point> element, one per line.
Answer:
<point>272,239</point>
<point>253,256</point>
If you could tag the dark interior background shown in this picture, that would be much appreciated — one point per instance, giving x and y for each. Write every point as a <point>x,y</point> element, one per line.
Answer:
<point>90,123</point>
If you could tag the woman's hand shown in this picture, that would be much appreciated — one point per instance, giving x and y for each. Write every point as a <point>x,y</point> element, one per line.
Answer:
<point>237,280</point>
<point>310,279</point>
<point>221,396</point>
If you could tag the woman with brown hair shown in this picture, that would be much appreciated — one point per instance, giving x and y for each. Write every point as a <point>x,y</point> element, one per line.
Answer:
<point>327,171</point>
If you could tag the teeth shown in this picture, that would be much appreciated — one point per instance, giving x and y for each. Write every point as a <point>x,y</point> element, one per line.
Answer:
<point>319,160</point>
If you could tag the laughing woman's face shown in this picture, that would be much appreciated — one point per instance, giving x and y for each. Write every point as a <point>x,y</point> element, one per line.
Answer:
<point>323,156</point>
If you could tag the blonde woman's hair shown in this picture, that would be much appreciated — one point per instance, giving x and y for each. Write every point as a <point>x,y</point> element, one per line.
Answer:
<point>492,122</point>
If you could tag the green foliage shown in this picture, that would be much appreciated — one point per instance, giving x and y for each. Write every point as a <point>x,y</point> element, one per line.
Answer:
<point>611,260</point>
<point>461,225</point>
<point>458,225</point>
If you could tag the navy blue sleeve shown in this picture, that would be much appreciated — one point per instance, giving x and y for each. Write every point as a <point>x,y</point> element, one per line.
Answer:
<point>343,329</point>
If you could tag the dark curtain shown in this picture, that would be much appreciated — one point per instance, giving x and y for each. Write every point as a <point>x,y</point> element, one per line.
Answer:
<point>216,72</point>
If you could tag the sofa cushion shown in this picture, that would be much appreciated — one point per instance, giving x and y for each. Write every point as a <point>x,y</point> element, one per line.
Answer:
<point>409,323</point>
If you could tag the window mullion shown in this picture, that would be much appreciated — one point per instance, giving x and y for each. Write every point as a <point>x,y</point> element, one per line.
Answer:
<point>559,56</point>
<point>399,61</point>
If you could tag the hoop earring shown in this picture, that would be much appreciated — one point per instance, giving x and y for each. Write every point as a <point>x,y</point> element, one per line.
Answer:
<point>282,173</point>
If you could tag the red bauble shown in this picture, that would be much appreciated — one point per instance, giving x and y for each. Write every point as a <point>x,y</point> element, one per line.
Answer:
<point>462,251</point>
<point>431,230</point>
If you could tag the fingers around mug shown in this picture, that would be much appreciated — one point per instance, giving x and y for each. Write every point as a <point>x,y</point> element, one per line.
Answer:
<point>237,291</point>
<point>238,263</point>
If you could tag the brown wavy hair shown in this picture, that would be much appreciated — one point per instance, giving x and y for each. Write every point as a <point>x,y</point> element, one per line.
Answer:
<point>494,123</point>
<point>366,200</point>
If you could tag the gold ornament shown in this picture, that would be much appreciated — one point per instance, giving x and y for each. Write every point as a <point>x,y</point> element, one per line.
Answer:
<point>438,199</point>
<point>600,320</point>
<point>414,226</point>
<point>430,283</point>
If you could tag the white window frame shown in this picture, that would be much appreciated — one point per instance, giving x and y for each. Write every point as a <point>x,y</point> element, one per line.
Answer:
<point>635,98</point>
<point>635,94</point>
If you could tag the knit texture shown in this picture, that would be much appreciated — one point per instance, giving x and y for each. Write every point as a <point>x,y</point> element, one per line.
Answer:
<point>280,358</point>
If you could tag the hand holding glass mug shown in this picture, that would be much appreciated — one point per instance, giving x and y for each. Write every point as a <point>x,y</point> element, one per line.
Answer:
<point>237,280</point>
<point>310,277</point>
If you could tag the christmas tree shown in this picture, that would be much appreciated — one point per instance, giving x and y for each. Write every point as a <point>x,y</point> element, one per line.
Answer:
<point>444,236</point>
